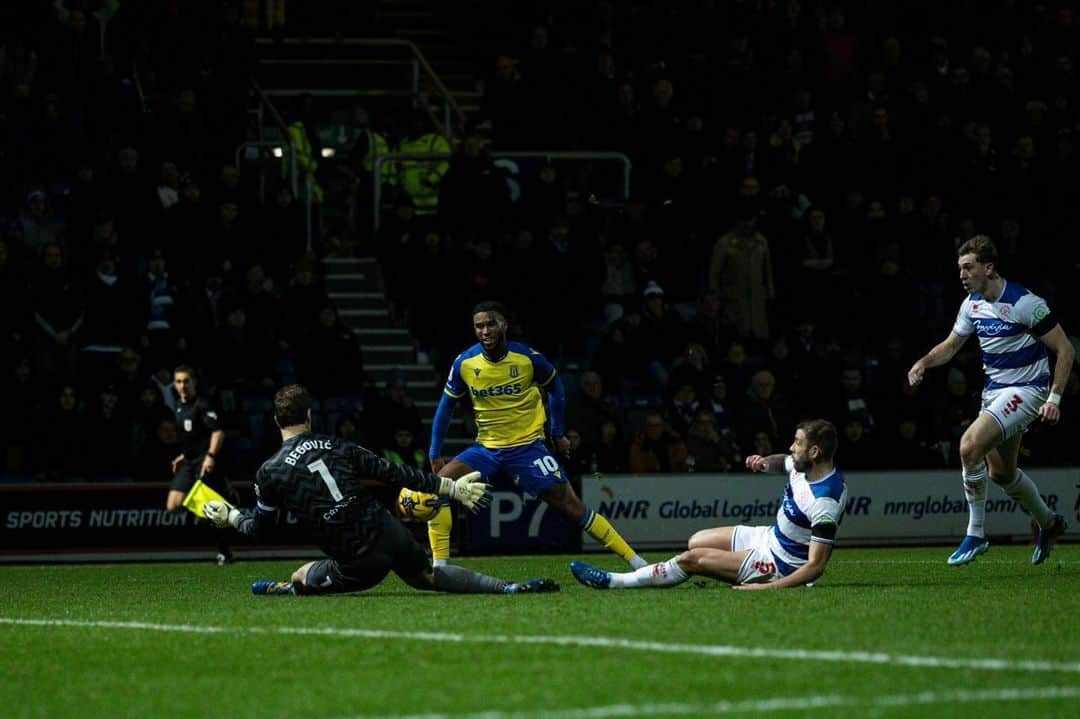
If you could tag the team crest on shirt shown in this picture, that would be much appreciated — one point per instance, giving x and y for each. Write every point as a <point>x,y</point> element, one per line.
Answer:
<point>513,371</point>
<point>187,425</point>
<point>476,371</point>
<point>1004,312</point>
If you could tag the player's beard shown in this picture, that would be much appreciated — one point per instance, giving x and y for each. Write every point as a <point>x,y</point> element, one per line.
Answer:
<point>801,465</point>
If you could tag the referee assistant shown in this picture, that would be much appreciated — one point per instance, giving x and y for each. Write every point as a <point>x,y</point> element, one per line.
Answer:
<point>200,437</point>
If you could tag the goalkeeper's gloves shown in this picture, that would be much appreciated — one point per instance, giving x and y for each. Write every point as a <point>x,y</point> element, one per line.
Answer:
<point>470,490</point>
<point>221,514</point>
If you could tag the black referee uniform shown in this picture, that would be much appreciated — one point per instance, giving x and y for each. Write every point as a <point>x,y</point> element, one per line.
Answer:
<point>196,420</point>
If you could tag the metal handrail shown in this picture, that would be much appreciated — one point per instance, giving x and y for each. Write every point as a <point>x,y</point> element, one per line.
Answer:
<point>451,130</point>
<point>446,156</point>
<point>294,169</point>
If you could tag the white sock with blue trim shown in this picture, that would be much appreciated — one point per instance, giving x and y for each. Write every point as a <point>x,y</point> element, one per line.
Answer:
<point>975,493</point>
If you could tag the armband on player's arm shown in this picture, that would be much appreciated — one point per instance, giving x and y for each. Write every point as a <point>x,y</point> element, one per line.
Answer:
<point>825,532</point>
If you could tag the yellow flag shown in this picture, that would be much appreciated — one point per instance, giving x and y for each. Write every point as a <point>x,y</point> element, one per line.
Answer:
<point>199,495</point>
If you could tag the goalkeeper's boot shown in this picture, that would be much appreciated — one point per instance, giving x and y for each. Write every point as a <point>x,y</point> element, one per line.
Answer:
<point>536,585</point>
<point>1045,538</point>
<point>589,575</point>
<point>270,586</point>
<point>970,548</point>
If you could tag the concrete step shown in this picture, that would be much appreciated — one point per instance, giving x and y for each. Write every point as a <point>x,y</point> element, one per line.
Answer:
<point>352,282</point>
<point>382,336</point>
<point>389,354</point>
<point>411,373</point>
<point>359,300</point>
<point>367,319</point>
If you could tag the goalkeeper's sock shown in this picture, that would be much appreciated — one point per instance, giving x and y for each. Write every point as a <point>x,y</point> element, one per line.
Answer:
<point>661,574</point>
<point>459,580</point>
<point>438,532</point>
<point>597,527</point>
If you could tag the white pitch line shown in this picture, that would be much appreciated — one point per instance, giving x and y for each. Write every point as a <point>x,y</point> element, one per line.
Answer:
<point>765,706</point>
<point>712,650</point>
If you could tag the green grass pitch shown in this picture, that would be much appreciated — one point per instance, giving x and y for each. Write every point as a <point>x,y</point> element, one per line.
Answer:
<point>885,633</point>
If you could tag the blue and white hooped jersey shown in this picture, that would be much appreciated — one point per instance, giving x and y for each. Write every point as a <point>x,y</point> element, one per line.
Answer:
<point>805,504</point>
<point>1012,356</point>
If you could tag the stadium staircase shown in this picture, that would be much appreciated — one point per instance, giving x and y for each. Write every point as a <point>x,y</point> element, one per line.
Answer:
<point>355,286</point>
<point>424,23</point>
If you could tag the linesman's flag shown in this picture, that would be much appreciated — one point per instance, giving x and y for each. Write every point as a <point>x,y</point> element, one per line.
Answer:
<point>199,495</point>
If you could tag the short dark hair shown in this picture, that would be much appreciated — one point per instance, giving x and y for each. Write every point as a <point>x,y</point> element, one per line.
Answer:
<point>982,247</point>
<point>822,433</point>
<point>291,405</point>
<point>496,307</point>
<point>186,369</point>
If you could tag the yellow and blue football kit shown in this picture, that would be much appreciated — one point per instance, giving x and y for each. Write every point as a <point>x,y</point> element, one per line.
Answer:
<point>507,397</point>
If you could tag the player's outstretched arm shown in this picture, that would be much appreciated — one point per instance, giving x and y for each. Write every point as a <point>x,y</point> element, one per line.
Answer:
<point>941,353</point>
<point>814,568</point>
<point>773,463</point>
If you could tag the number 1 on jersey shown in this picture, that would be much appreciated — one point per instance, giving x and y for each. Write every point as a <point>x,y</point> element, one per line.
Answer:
<point>324,472</point>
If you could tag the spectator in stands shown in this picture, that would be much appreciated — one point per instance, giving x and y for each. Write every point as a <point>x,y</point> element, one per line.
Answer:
<point>707,449</point>
<point>420,179</point>
<point>58,307</point>
<point>590,406</point>
<point>328,357</point>
<point>741,271</point>
<point>40,228</point>
<point>161,331</point>
<point>473,197</point>
<point>108,433</point>
<point>656,448</point>
<point>406,450</point>
<point>860,451</point>
<point>618,289</point>
<point>610,453</point>
<point>763,409</point>
<point>717,402</point>
<point>907,450</point>
<point>158,451</point>
<point>953,412</point>
<point>505,105</point>
<point>302,301</point>
<point>20,390</point>
<point>682,407</point>
<point>854,400</point>
<point>392,409</point>
<point>662,335</point>
<point>347,427</point>
<point>59,449</point>
<point>692,368</point>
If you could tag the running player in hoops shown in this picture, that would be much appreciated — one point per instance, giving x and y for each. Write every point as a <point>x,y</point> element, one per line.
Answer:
<point>1015,327</point>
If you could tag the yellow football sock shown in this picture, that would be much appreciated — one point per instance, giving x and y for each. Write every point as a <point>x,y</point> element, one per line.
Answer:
<point>601,530</point>
<point>438,532</point>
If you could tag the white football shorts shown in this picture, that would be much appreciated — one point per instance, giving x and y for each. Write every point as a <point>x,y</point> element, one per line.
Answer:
<point>758,566</point>
<point>1013,408</point>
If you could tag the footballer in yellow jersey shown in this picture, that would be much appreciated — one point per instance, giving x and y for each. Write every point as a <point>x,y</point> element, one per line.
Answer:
<point>506,382</point>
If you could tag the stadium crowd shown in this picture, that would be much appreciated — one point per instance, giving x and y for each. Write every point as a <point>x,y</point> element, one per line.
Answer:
<point>802,176</point>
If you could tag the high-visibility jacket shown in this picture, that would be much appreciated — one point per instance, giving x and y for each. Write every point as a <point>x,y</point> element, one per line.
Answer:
<point>421,178</point>
<point>306,164</point>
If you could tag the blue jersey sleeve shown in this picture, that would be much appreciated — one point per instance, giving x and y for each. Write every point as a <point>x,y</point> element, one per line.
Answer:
<point>455,386</point>
<point>443,413</point>
<point>543,371</point>
<point>556,406</point>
